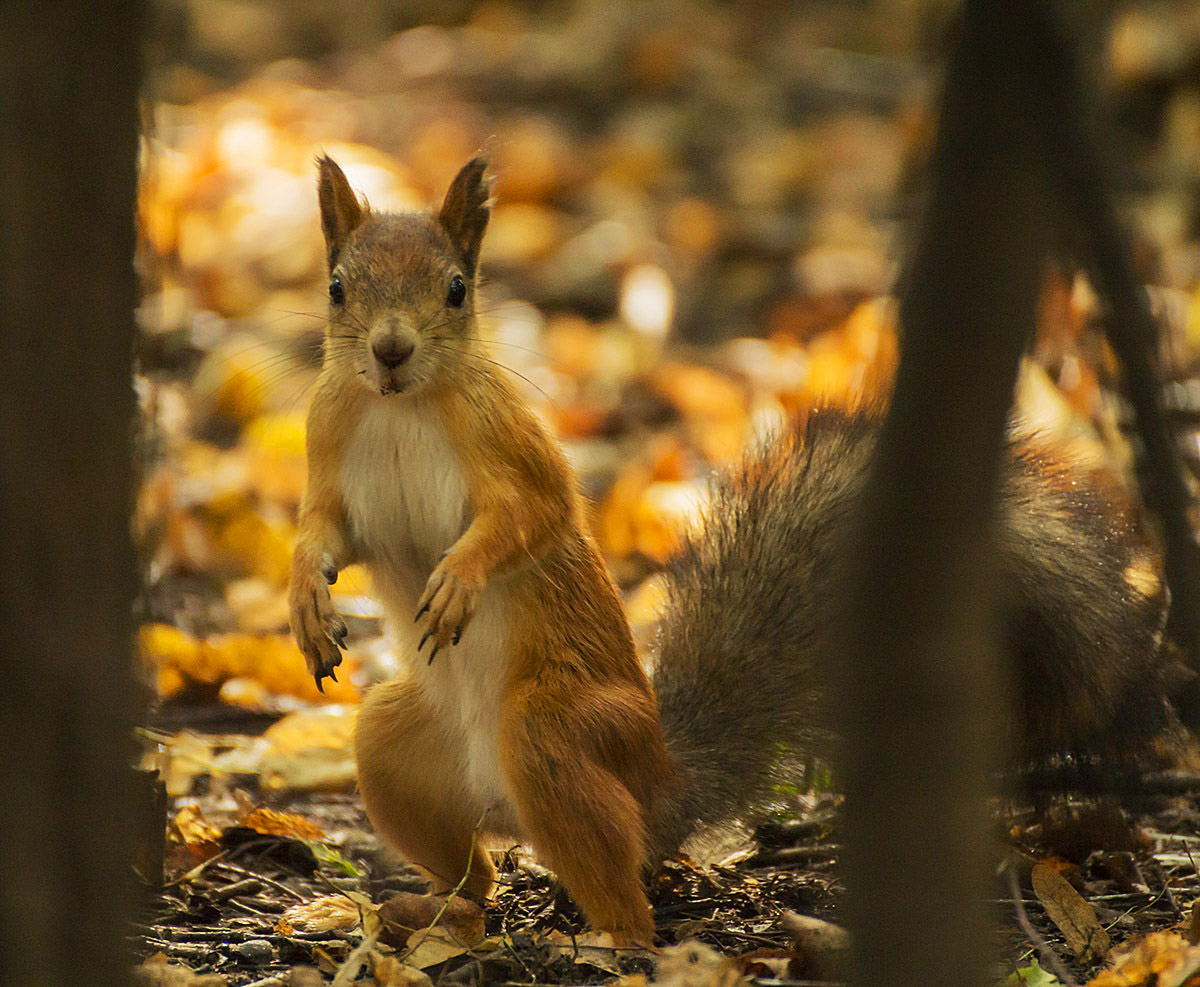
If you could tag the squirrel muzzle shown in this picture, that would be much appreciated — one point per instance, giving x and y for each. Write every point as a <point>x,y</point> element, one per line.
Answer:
<point>390,349</point>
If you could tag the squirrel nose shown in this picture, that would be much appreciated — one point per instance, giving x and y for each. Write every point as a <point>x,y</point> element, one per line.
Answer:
<point>392,352</point>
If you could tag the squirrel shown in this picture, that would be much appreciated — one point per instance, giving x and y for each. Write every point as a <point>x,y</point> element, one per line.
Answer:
<point>523,708</point>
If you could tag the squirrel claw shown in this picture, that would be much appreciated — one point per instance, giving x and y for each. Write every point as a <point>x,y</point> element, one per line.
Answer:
<point>328,568</point>
<point>433,652</point>
<point>317,676</point>
<point>457,635</point>
<point>424,638</point>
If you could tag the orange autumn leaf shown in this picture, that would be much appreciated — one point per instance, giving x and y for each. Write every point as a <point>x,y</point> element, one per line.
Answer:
<point>197,835</point>
<point>271,822</point>
<point>1157,959</point>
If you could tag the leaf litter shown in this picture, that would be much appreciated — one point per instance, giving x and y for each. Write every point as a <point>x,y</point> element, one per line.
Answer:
<point>640,206</point>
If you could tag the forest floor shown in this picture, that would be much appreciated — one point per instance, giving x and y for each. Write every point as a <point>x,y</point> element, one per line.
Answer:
<point>268,889</point>
<point>698,222</point>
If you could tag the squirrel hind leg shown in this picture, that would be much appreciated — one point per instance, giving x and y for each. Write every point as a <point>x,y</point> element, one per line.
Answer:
<point>407,764</point>
<point>579,817</point>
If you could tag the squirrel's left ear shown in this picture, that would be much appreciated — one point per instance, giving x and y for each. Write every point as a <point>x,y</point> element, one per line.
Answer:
<point>466,209</point>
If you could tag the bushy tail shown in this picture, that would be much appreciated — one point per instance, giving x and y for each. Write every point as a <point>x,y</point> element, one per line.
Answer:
<point>1086,609</point>
<point>748,604</point>
<point>744,639</point>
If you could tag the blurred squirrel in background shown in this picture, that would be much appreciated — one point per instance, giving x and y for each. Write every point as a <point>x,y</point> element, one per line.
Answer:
<point>524,709</point>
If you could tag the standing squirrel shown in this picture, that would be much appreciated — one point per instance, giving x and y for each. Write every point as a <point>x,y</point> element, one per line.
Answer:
<point>523,708</point>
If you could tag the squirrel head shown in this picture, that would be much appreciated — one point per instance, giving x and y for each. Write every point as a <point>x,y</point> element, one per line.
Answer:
<point>401,286</point>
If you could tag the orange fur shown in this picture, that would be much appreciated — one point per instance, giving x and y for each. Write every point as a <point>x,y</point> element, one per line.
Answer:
<point>541,721</point>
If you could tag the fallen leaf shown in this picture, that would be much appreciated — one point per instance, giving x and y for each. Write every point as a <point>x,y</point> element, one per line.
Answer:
<point>406,913</point>
<point>692,964</point>
<point>277,464</point>
<point>1074,917</point>
<point>390,972</point>
<point>594,949</point>
<point>429,947</point>
<point>275,823</point>
<point>311,750</point>
<point>1161,959</point>
<point>189,828</point>
<point>825,947</point>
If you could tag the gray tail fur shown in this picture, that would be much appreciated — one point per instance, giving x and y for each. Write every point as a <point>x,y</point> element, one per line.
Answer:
<point>740,661</point>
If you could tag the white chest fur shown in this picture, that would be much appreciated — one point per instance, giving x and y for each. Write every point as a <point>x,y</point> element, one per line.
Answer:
<point>404,492</point>
<point>406,504</point>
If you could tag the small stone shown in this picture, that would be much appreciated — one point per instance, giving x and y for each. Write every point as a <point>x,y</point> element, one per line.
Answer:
<point>254,951</point>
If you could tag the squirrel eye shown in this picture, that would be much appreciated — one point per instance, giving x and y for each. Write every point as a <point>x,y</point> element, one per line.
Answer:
<point>337,294</point>
<point>457,292</point>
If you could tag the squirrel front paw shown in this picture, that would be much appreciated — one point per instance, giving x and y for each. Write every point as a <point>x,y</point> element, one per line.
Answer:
<point>319,631</point>
<point>449,600</point>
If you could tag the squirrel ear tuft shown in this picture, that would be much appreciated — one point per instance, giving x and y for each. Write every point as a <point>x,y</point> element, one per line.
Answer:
<point>466,209</point>
<point>341,211</point>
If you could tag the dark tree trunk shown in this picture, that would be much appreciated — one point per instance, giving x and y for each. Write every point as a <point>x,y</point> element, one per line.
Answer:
<point>920,679</point>
<point>68,142</point>
<point>921,676</point>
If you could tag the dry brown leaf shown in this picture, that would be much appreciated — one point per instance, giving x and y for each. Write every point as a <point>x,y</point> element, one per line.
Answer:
<point>692,964</point>
<point>390,972</point>
<point>405,913</point>
<point>427,948</point>
<point>1074,917</point>
<point>1193,924</point>
<point>595,949</point>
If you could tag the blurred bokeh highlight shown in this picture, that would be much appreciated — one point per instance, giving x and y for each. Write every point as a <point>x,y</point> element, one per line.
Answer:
<point>701,210</point>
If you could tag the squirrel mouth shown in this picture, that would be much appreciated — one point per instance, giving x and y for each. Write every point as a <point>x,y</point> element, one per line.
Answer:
<point>384,381</point>
<point>389,385</point>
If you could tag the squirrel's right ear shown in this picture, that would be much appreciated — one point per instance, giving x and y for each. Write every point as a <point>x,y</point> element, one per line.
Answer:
<point>466,209</point>
<point>341,212</point>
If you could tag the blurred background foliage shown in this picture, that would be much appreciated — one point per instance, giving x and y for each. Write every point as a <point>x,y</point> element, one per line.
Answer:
<point>701,209</point>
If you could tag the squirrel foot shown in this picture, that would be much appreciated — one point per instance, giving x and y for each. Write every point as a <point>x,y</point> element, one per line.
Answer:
<point>449,600</point>
<point>319,630</point>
